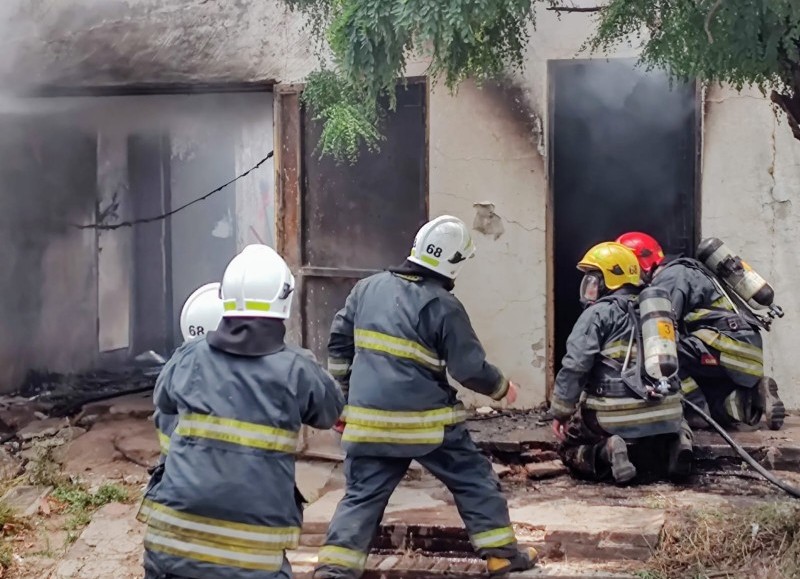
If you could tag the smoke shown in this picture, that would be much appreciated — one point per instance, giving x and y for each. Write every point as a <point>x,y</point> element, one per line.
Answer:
<point>624,160</point>
<point>55,172</point>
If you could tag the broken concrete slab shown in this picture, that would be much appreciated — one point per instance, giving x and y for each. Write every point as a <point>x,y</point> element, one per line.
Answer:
<point>543,470</point>
<point>111,546</point>
<point>113,450</point>
<point>43,428</point>
<point>10,465</point>
<point>24,500</point>
<point>312,477</point>
<point>426,519</point>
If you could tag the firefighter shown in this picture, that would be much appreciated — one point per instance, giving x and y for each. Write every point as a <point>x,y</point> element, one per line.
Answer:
<point>201,313</point>
<point>720,347</point>
<point>219,505</point>
<point>597,413</point>
<point>391,346</point>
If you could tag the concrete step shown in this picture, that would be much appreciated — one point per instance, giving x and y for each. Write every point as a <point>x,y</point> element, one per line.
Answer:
<point>425,520</point>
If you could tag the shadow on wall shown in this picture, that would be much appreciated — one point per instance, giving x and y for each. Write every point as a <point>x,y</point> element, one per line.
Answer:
<point>47,182</point>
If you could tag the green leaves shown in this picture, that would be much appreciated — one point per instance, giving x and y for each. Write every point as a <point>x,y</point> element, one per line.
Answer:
<point>370,41</point>
<point>741,42</point>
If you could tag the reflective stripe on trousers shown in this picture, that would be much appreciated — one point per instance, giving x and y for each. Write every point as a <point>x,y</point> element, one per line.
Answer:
<point>237,432</point>
<point>342,557</point>
<point>399,348</point>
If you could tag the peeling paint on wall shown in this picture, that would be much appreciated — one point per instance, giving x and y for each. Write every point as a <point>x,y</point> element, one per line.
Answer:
<point>487,221</point>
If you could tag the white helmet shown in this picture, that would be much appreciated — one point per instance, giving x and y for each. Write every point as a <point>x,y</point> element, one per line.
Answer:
<point>443,245</point>
<point>257,284</point>
<point>201,313</point>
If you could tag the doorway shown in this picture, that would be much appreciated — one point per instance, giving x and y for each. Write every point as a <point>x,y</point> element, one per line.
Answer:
<point>623,157</point>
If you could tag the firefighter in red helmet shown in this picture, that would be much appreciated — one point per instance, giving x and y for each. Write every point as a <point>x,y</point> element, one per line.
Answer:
<point>720,346</point>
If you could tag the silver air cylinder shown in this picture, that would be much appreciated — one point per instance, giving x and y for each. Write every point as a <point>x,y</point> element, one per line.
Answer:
<point>658,334</point>
<point>735,273</point>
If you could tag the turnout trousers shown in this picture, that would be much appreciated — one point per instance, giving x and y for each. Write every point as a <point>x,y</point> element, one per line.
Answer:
<point>152,572</point>
<point>727,396</point>
<point>371,480</point>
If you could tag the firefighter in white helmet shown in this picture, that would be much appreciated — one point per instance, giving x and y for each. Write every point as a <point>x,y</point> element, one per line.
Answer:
<point>391,346</point>
<point>219,505</point>
<point>201,313</point>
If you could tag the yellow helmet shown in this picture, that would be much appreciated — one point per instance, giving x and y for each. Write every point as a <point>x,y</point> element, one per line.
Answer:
<point>616,262</point>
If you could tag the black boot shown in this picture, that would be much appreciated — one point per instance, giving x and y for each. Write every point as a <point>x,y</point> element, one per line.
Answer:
<point>615,452</point>
<point>767,400</point>
<point>681,453</point>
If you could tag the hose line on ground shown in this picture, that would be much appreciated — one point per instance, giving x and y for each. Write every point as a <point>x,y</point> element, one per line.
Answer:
<point>794,491</point>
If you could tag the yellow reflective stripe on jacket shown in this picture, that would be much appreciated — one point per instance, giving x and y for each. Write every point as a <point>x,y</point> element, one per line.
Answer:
<point>357,433</point>
<point>700,313</point>
<point>163,442</point>
<point>493,538</point>
<point>668,409</point>
<point>342,557</point>
<point>617,350</point>
<point>603,404</point>
<point>227,534</point>
<point>689,385</point>
<point>237,432</point>
<point>168,543</point>
<point>398,347</point>
<point>561,408</point>
<point>338,366</point>
<point>360,416</point>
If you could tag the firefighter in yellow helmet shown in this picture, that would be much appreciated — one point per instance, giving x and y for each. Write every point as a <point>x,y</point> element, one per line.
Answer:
<point>600,410</point>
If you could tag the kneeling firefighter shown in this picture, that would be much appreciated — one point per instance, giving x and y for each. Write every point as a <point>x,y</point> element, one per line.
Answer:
<point>618,381</point>
<point>720,345</point>
<point>219,505</point>
<point>392,344</point>
<point>201,313</point>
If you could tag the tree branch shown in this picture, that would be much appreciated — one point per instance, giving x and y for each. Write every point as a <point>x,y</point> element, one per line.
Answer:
<point>707,25</point>
<point>560,9</point>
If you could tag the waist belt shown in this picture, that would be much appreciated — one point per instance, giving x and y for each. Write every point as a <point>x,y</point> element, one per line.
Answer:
<point>610,389</point>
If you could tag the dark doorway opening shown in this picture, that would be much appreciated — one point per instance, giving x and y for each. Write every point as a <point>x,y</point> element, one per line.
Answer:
<point>623,157</point>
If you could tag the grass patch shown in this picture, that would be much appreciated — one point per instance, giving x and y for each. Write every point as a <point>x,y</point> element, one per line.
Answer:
<point>81,504</point>
<point>759,541</point>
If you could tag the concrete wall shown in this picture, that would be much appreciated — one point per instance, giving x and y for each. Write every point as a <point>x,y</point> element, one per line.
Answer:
<point>751,182</point>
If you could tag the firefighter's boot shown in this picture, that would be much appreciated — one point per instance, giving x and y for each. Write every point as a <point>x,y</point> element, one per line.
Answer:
<point>681,453</point>
<point>767,400</point>
<point>615,453</point>
<point>521,561</point>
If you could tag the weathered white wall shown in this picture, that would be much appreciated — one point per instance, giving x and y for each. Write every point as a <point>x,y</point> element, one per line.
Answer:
<point>751,182</point>
<point>493,157</point>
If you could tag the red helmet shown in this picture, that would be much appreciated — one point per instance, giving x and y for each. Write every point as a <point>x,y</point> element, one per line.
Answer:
<point>647,250</point>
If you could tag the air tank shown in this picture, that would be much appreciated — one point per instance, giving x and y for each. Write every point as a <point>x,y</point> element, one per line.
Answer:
<point>658,334</point>
<point>735,273</point>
